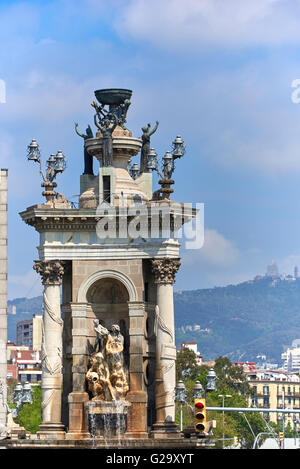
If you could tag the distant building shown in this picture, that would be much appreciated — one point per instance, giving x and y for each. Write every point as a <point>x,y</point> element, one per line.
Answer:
<point>296,272</point>
<point>272,388</point>
<point>291,357</point>
<point>272,270</point>
<point>192,346</point>
<point>247,366</point>
<point>25,365</point>
<point>29,332</point>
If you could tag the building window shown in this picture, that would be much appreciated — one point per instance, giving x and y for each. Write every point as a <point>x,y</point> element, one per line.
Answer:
<point>266,390</point>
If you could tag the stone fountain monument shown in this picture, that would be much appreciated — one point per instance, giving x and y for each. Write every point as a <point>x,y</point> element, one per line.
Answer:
<point>108,267</point>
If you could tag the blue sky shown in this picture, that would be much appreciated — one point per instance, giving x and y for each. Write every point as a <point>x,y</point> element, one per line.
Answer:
<point>218,73</point>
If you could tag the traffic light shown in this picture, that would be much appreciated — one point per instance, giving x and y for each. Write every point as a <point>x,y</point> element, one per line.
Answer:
<point>235,441</point>
<point>200,416</point>
<point>280,436</point>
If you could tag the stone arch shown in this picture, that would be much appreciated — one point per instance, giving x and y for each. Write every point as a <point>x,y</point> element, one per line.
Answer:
<point>106,274</point>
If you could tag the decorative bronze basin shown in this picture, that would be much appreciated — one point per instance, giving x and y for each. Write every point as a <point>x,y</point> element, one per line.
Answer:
<point>112,96</point>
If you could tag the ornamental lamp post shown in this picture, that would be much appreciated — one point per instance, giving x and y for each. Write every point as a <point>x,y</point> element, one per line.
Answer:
<point>17,398</point>
<point>22,395</point>
<point>55,164</point>
<point>51,162</point>
<point>27,393</point>
<point>180,396</point>
<point>152,160</point>
<point>178,149</point>
<point>168,165</point>
<point>198,390</point>
<point>33,151</point>
<point>211,380</point>
<point>134,171</point>
<point>60,162</point>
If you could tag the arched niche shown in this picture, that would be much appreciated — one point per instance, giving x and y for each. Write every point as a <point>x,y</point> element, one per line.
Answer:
<point>107,294</point>
<point>106,274</point>
<point>107,291</point>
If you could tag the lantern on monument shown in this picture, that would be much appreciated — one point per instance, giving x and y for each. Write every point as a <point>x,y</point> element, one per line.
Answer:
<point>60,162</point>
<point>33,151</point>
<point>178,149</point>
<point>152,160</point>
<point>134,171</point>
<point>168,164</point>
<point>51,162</point>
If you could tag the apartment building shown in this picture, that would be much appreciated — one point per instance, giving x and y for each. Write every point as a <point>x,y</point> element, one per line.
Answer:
<point>275,389</point>
<point>29,332</point>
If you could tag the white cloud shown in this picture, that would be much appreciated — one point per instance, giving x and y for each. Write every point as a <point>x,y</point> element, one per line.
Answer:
<point>215,22</point>
<point>27,285</point>
<point>216,251</point>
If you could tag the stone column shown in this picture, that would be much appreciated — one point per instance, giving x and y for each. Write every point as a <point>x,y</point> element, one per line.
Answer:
<point>165,380</point>
<point>137,414</point>
<point>3,299</point>
<point>78,417</point>
<point>51,273</point>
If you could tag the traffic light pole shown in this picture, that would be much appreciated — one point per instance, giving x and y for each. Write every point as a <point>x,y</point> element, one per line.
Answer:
<point>253,409</point>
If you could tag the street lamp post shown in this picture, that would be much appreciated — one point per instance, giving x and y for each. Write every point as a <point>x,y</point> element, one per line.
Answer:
<point>211,381</point>
<point>198,390</point>
<point>180,396</point>
<point>223,400</point>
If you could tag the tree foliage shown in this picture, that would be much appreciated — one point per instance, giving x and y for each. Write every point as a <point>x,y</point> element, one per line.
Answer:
<point>186,365</point>
<point>230,381</point>
<point>30,416</point>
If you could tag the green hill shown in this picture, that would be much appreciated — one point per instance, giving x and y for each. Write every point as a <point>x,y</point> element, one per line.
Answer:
<point>239,321</point>
<point>255,317</point>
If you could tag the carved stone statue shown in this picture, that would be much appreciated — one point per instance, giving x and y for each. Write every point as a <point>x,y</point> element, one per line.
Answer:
<point>147,132</point>
<point>106,377</point>
<point>88,159</point>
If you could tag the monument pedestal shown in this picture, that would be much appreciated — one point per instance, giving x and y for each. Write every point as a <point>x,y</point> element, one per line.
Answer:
<point>165,430</point>
<point>51,431</point>
<point>78,417</point>
<point>137,418</point>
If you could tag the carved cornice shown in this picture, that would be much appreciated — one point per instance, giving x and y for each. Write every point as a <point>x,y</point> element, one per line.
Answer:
<point>165,269</point>
<point>50,271</point>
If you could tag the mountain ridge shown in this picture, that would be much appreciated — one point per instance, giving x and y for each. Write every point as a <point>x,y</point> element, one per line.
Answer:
<point>257,317</point>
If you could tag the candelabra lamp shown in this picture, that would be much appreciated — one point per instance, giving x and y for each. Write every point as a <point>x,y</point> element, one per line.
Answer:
<point>168,167</point>
<point>55,164</point>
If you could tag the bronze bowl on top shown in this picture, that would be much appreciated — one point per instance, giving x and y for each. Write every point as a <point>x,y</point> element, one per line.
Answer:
<point>112,96</point>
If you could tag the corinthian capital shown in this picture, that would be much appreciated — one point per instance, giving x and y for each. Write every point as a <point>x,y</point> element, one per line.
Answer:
<point>50,271</point>
<point>165,269</point>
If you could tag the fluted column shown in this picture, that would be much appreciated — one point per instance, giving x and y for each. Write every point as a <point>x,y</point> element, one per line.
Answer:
<point>164,271</point>
<point>51,273</point>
